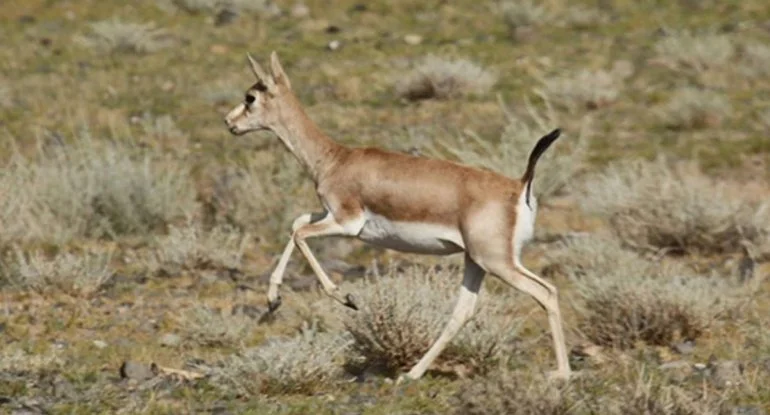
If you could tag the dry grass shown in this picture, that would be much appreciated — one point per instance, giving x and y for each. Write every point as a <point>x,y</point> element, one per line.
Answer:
<point>214,328</point>
<point>115,35</point>
<point>402,316</point>
<point>509,154</point>
<point>307,363</point>
<point>519,392</point>
<point>698,52</point>
<point>692,107</point>
<point>91,189</point>
<point>6,95</point>
<point>83,274</point>
<point>653,205</point>
<point>439,78</point>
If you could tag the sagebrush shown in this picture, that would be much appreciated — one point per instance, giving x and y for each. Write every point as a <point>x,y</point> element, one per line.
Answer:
<point>654,205</point>
<point>441,78</point>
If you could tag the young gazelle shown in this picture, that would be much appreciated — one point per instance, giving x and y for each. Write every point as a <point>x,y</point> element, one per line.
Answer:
<point>406,203</point>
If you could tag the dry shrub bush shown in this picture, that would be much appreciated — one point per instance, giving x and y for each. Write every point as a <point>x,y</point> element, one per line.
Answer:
<point>697,52</point>
<point>692,107</point>
<point>6,95</point>
<point>440,78</point>
<point>626,306</point>
<point>117,36</point>
<point>509,154</point>
<point>594,255</point>
<point>209,327</point>
<point>261,7</point>
<point>402,315</point>
<point>654,205</point>
<point>192,247</point>
<point>307,363</point>
<point>756,57</point>
<point>585,88</point>
<point>15,360</point>
<point>91,189</point>
<point>517,14</point>
<point>263,196</point>
<point>83,274</point>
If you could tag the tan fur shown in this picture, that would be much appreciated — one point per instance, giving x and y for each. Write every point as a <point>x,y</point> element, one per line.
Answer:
<point>411,195</point>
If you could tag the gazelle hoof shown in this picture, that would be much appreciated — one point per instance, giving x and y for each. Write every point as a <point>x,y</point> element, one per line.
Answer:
<point>350,302</point>
<point>273,305</point>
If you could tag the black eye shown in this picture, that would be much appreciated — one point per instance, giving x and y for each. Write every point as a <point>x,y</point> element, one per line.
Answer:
<point>250,99</point>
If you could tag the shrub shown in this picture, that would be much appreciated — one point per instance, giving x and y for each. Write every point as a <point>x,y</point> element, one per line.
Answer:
<point>509,155</point>
<point>595,255</point>
<point>83,275</point>
<point>654,205</point>
<point>191,247</point>
<point>698,52</point>
<point>523,13</point>
<point>264,7</point>
<point>440,78</point>
<point>91,189</point>
<point>209,327</point>
<point>306,363</point>
<point>585,89</point>
<point>694,108</point>
<point>16,360</point>
<point>626,306</point>
<point>403,315</point>
<point>117,36</point>
<point>6,95</point>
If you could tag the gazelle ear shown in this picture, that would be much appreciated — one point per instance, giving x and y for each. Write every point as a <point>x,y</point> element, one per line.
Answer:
<point>258,71</point>
<point>278,74</point>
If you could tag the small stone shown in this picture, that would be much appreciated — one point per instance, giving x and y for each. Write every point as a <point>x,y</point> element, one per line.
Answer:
<point>135,371</point>
<point>170,340</point>
<point>100,344</point>
<point>413,39</point>
<point>300,11</point>
<point>726,373</point>
<point>686,347</point>
<point>167,86</point>
<point>700,367</point>
<point>334,45</point>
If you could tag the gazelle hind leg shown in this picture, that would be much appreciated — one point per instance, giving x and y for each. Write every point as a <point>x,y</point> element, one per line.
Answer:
<point>464,309</point>
<point>548,299</point>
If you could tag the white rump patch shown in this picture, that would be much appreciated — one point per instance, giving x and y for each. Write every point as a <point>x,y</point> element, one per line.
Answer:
<point>525,223</point>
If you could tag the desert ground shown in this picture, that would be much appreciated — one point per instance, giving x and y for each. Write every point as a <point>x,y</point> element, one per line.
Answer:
<point>137,235</point>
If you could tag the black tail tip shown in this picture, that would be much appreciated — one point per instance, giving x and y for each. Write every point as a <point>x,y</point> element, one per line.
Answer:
<point>554,134</point>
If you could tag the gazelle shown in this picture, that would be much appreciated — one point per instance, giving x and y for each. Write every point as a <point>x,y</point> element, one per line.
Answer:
<point>406,203</point>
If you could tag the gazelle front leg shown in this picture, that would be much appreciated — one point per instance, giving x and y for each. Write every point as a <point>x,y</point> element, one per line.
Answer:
<point>328,226</point>
<point>276,278</point>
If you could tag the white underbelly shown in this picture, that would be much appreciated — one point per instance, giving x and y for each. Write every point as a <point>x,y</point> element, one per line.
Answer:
<point>414,237</point>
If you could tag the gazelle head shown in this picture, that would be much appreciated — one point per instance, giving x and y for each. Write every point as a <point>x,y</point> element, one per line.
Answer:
<point>264,102</point>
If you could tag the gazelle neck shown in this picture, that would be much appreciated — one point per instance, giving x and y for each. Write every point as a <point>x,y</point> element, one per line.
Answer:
<point>305,140</point>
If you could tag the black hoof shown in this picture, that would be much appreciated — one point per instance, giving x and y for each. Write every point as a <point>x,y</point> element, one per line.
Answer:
<point>273,305</point>
<point>350,302</point>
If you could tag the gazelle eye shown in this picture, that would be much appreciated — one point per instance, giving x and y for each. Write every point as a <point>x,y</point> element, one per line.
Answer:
<point>250,99</point>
